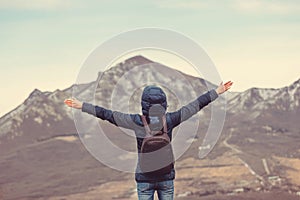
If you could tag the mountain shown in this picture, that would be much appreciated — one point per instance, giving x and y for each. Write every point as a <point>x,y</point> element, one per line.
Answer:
<point>41,156</point>
<point>280,100</point>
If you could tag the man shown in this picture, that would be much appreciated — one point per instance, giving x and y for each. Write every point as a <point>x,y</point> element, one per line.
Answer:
<point>154,105</point>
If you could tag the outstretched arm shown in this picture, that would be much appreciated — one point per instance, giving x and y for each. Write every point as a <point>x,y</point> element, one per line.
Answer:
<point>195,106</point>
<point>114,117</point>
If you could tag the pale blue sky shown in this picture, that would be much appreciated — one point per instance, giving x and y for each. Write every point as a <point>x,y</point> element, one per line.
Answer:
<point>43,43</point>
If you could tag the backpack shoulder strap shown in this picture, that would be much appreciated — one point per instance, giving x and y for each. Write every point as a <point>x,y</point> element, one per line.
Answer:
<point>165,124</point>
<point>146,125</point>
<point>147,128</point>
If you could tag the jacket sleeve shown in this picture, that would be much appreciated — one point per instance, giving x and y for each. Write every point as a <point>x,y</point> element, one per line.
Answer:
<point>114,117</point>
<point>192,108</point>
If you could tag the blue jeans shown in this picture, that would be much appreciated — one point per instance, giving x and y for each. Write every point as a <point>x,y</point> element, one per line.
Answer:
<point>165,190</point>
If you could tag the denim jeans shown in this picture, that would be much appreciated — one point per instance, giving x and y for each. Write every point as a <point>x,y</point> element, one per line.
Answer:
<point>165,190</point>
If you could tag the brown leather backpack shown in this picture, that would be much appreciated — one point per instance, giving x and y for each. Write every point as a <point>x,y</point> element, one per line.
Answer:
<point>156,152</point>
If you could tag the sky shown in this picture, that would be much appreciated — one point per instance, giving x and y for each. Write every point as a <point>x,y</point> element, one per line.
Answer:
<point>44,43</point>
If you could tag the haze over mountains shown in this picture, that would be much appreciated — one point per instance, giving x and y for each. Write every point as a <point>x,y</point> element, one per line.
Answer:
<point>41,156</point>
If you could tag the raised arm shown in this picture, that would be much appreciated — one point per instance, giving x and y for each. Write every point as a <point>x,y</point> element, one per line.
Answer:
<point>114,117</point>
<point>195,106</point>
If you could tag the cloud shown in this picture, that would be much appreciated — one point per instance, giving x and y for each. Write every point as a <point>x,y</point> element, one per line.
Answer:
<point>267,6</point>
<point>179,4</point>
<point>244,6</point>
<point>34,4</point>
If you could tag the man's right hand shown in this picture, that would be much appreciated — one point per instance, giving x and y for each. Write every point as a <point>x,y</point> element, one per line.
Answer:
<point>74,103</point>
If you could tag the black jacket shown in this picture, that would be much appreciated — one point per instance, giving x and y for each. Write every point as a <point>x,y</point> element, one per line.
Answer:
<point>134,122</point>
